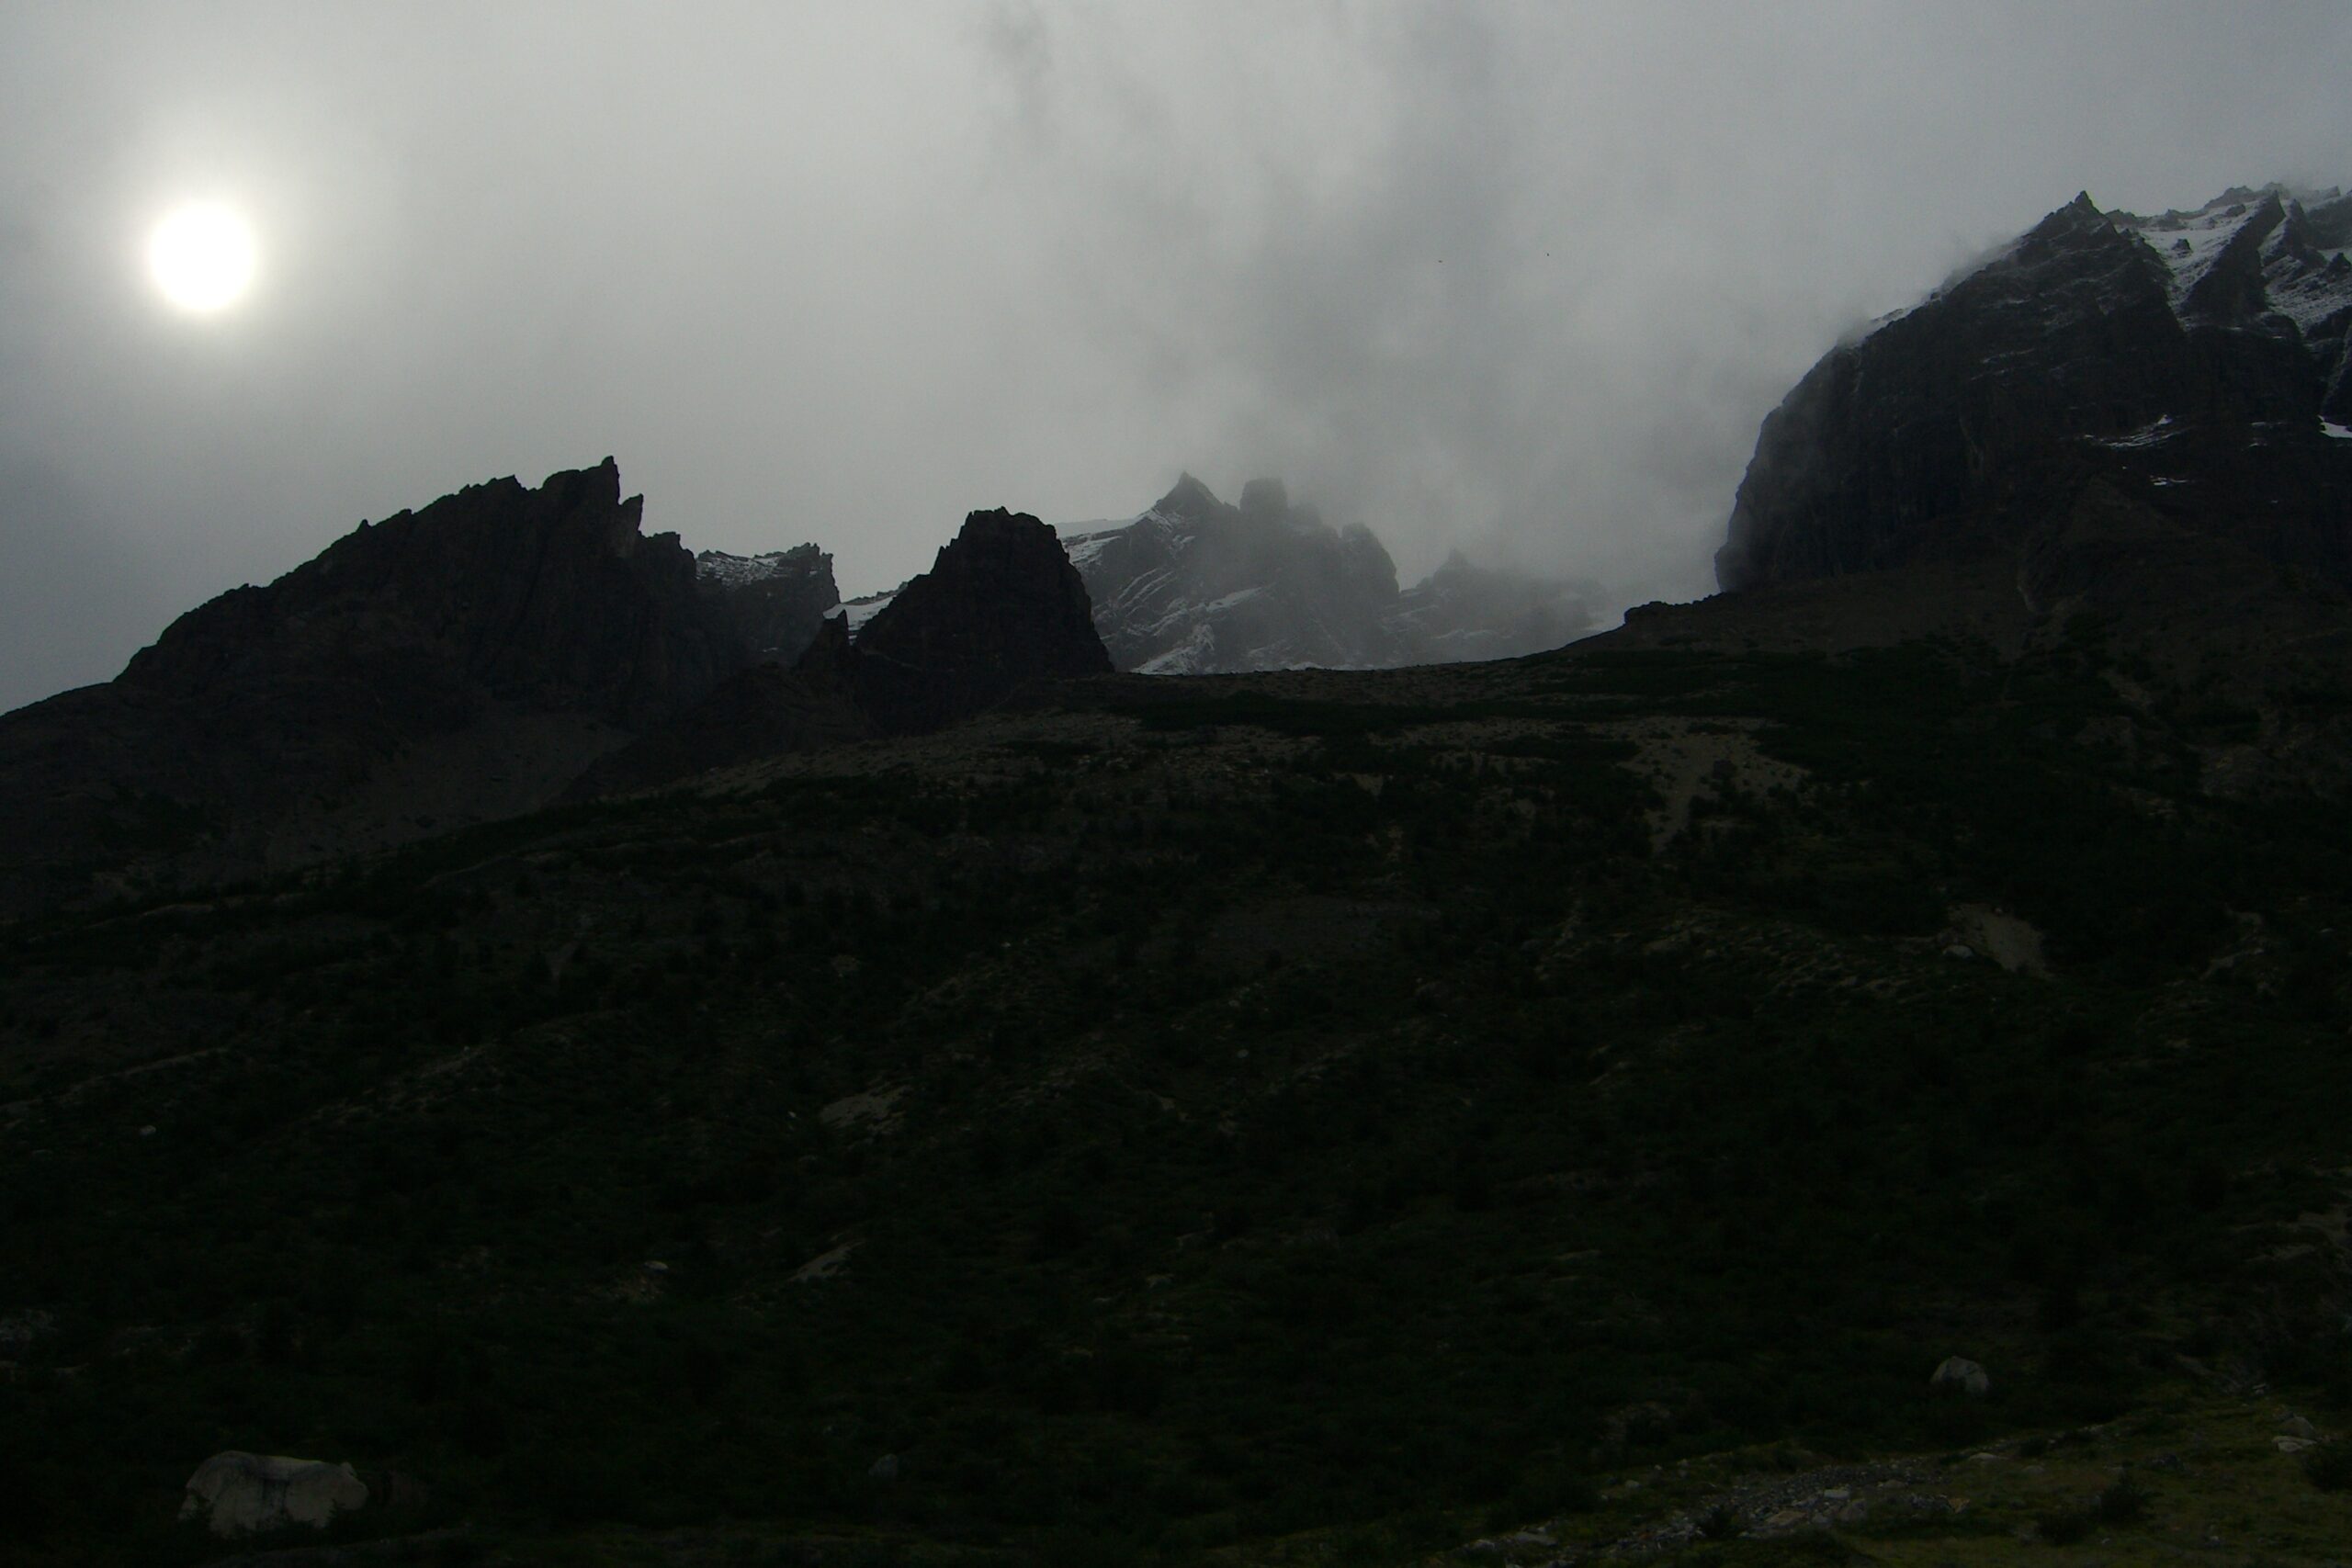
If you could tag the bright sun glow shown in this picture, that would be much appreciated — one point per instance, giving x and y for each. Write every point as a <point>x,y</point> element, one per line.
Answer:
<point>202,258</point>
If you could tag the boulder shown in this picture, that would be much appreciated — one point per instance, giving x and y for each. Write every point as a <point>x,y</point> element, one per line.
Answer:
<point>238,1493</point>
<point>1958,1372</point>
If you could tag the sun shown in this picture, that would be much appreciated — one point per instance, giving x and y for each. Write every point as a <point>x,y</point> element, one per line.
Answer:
<point>202,257</point>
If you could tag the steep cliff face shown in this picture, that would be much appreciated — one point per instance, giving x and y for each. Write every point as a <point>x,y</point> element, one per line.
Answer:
<point>1000,606</point>
<point>771,603</point>
<point>2170,357</point>
<point>450,665</point>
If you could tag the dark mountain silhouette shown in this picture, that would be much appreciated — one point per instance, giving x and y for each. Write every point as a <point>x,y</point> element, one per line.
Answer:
<point>1001,607</point>
<point>500,650</point>
<point>444,666</point>
<point>2192,363</point>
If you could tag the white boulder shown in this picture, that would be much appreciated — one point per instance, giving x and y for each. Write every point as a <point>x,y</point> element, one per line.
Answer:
<point>1958,1372</point>
<point>240,1494</point>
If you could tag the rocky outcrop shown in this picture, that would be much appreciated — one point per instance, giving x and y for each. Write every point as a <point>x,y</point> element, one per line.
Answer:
<point>238,1493</point>
<point>498,650</point>
<point>449,665</point>
<point>771,603</point>
<point>550,598</point>
<point>1196,586</point>
<point>1000,608</point>
<point>1961,1375</point>
<point>1001,605</point>
<point>2307,275</point>
<point>2169,357</point>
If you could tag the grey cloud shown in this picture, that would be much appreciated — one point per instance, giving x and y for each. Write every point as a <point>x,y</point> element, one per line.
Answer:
<point>1522,276</point>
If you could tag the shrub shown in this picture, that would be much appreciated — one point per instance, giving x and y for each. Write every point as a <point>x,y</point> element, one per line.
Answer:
<point>2125,1502</point>
<point>1719,1523</point>
<point>2329,1467</point>
<point>2064,1527</point>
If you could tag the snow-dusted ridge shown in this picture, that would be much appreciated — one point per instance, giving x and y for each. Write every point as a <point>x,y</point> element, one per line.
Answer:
<point>2307,279</point>
<point>859,611</point>
<point>2156,433</point>
<point>734,571</point>
<point>1193,585</point>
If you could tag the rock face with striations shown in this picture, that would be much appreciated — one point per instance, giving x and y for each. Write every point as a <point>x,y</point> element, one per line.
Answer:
<point>2195,361</point>
<point>449,665</point>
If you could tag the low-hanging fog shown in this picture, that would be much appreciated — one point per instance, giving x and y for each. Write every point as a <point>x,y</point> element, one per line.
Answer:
<point>1520,277</point>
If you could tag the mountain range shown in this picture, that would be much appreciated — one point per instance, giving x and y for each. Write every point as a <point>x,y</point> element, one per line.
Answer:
<point>1197,586</point>
<point>506,648</point>
<point>645,1064</point>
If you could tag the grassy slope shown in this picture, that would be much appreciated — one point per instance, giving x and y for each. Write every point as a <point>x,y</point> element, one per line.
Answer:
<point>1258,1106</point>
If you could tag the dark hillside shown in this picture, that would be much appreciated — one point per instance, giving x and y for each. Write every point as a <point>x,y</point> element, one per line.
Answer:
<point>1186,1113</point>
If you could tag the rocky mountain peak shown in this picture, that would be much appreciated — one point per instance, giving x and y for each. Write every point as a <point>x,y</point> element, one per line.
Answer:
<point>2166,351</point>
<point>1264,501</point>
<point>448,665</point>
<point>2228,285</point>
<point>1195,585</point>
<point>549,596</point>
<point>2079,219</point>
<point>1189,498</point>
<point>1000,606</point>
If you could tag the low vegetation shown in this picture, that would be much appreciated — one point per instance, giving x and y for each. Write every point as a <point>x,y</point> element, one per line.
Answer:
<point>1257,1125</point>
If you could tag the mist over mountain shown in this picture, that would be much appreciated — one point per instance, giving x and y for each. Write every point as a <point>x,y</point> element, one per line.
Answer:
<point>1262,1034</point>
<point>1512,278</point>
<point>1199,586</point>
<point>502,1056</point>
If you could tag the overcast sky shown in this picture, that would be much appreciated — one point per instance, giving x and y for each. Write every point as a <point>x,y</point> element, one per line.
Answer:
<point>1519,277</point>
